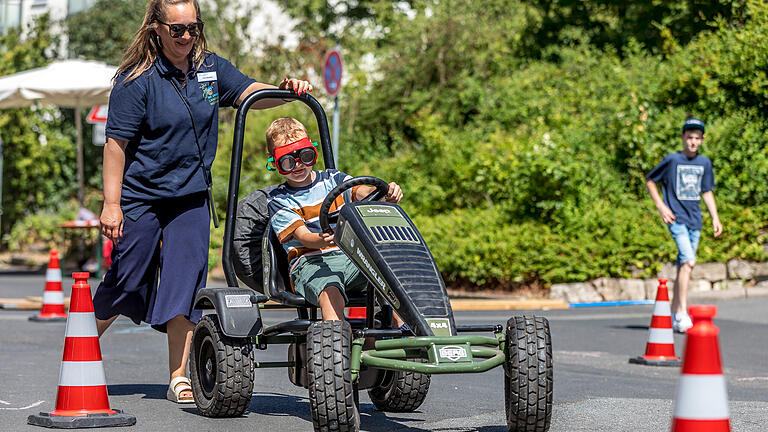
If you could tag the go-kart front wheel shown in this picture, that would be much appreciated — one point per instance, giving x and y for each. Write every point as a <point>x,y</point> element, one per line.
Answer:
<point>529,379</point>
<point>221,370</point>
<point>400,391</point>
<point>331,393</point>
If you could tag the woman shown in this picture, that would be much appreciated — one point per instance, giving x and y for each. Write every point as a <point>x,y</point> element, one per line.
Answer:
<point>161,141</point>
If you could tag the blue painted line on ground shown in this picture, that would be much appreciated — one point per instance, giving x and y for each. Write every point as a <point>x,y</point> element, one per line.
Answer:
<point>612,303</point>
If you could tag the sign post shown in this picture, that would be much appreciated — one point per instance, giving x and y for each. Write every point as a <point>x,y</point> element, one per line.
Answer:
<point>332,67</point>
<point>98,118</point>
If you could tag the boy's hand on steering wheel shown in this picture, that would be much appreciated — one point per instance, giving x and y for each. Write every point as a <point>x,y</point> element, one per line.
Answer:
<point>394,194</point>
<point>328,238</point>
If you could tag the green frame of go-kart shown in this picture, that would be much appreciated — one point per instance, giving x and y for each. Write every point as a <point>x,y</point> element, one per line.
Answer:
<point>393,364</point>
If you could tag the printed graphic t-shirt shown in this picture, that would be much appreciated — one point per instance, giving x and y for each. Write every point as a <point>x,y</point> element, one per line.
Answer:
<point>683,180</point>
<point>291,207</point>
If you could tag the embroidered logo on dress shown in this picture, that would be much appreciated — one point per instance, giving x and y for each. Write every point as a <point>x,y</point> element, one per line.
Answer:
<point>688,186</point>
<point>209,92</point>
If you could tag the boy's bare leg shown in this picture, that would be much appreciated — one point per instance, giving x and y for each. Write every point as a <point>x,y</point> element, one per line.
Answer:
<point>331,304</point>
<point>680,300</point>
<point>179,340</point>
<point>103,325</point>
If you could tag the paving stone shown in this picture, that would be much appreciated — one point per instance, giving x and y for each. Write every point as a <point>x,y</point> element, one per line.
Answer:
<point>631,289</point>
<point>608,288</point>
<point>740,269</point>
<point>710,271</point>
<point>581,292</point>
<point>651,286</point>
<point>728,284</point>
<point>698,285</point>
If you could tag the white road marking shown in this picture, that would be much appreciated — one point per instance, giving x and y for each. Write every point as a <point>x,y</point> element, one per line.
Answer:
<point>38,403</point>
<point>4,402</point>
<point>740,379</point>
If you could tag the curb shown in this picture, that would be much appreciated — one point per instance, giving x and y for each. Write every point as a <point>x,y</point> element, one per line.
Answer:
<point>506,304</point>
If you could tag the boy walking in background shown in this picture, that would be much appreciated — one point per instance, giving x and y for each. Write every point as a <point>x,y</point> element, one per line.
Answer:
<point>686,177</point>
<point>319,271</point>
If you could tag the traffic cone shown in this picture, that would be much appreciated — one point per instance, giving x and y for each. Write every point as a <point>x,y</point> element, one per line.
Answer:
<point>356,313</point>
<point>660,349</point>
<point>702,399</point>
<point>82,399</point>
<point>53,296</point>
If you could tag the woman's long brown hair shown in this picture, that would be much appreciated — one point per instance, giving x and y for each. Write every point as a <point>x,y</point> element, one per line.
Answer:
<point>145,47</point>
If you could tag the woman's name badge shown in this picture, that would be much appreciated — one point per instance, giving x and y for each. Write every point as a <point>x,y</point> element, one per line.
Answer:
<point>206,76</point>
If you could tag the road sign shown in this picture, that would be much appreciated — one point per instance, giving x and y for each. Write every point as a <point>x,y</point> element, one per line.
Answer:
<point>98,114</point>
<point>332,67</point>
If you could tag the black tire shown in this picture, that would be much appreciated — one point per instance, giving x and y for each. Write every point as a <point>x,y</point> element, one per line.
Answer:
<point>400,391</point>
<point>331,393</point>
<point>529,378</point>
<point>221,370</point>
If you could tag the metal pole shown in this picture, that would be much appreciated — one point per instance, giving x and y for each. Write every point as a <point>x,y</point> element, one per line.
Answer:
<point>335,140</point>
<point>1,180</point>
<point>79,139</point>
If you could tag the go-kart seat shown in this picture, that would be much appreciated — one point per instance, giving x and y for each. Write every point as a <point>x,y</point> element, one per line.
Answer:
<point>279,279</point>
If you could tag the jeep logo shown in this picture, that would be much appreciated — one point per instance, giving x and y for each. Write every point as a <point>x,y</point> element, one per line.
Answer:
<point>453,352</point>
<point>438,325</point>
<point>378,210</point>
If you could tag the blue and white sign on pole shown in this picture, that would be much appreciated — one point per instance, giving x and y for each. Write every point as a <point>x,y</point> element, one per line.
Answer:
<point>332,67</point>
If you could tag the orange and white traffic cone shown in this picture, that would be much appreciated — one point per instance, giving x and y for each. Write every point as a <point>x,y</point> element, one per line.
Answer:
<point>660,348</point>
<point>702,398</point>
<point>53,296</point>
<point>82,399</point>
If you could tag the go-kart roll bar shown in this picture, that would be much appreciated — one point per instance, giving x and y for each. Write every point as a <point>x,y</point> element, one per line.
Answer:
<point>237,158</point>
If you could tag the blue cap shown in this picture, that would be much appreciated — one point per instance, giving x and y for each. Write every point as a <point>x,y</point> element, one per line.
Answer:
<point>693,123</point>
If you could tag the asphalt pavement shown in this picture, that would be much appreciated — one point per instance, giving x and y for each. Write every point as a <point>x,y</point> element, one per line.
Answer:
<point>596,389</point>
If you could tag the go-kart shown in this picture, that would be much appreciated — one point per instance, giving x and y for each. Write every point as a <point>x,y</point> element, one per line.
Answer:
<point>334,360</point>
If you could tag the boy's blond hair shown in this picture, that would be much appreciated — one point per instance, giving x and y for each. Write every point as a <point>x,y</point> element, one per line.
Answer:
<point>284,131</point>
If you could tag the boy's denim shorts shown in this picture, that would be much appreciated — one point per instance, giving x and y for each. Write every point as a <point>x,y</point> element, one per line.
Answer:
<point>687,242</point>
<point>314,273</point>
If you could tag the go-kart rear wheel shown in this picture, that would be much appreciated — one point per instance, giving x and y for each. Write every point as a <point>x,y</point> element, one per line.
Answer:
<point>221,370</point>
<point>528,382</point>
<point>331,393</point>
<point>400,391</point>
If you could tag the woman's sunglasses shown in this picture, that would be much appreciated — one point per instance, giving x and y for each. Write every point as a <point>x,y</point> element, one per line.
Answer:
<point>177,30</point>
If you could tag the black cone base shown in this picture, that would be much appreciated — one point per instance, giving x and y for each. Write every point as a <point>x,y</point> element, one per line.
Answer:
<point>648,362</point>
<point>87,421</point>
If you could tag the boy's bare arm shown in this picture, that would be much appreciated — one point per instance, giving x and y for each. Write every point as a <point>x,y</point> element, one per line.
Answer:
<point>709,200</point>
<point>394,194</point>
<point>313,240</point>
<point>666,214</point>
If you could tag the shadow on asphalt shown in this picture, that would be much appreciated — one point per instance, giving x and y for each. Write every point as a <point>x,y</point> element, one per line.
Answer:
<point>631,327</point>
<point>150,391</point>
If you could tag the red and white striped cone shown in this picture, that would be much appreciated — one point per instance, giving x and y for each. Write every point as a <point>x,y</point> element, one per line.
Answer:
<point>53,296</point>
<point>660,348</point>
<point>82,399</point>
<point>702,398</point>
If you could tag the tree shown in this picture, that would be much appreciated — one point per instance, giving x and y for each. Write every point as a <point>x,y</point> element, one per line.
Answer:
<point>104,31</point>
<point>38,152</point>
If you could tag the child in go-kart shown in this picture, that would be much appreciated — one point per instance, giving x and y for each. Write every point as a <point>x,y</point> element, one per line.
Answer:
<point>320,272</point>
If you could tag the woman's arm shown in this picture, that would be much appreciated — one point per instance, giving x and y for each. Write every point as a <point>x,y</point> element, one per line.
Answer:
<point>111,215</point>
<point>299,86</point>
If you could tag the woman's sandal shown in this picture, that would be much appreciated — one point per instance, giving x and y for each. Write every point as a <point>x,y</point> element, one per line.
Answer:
<point>177,386</point>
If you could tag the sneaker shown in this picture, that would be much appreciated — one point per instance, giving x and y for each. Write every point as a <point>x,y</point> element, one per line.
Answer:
<point>681,322</point>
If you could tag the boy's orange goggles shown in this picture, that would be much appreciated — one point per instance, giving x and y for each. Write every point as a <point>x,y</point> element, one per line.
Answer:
<point>287,157</point>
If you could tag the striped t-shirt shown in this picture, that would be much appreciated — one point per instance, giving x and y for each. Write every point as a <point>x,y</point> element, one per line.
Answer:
<point>291,207</point>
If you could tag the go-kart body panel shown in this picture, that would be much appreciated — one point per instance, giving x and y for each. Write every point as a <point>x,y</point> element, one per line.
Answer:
<point>383,242</point>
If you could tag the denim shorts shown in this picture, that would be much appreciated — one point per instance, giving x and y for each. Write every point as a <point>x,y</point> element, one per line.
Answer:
<point>314,273</point>
<point>687,242</point>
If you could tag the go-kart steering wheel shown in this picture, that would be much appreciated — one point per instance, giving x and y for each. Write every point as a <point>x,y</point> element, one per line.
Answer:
<point>381,191</point>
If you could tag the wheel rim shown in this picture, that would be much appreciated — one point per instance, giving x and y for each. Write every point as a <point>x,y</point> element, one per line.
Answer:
<point>207,370</point>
